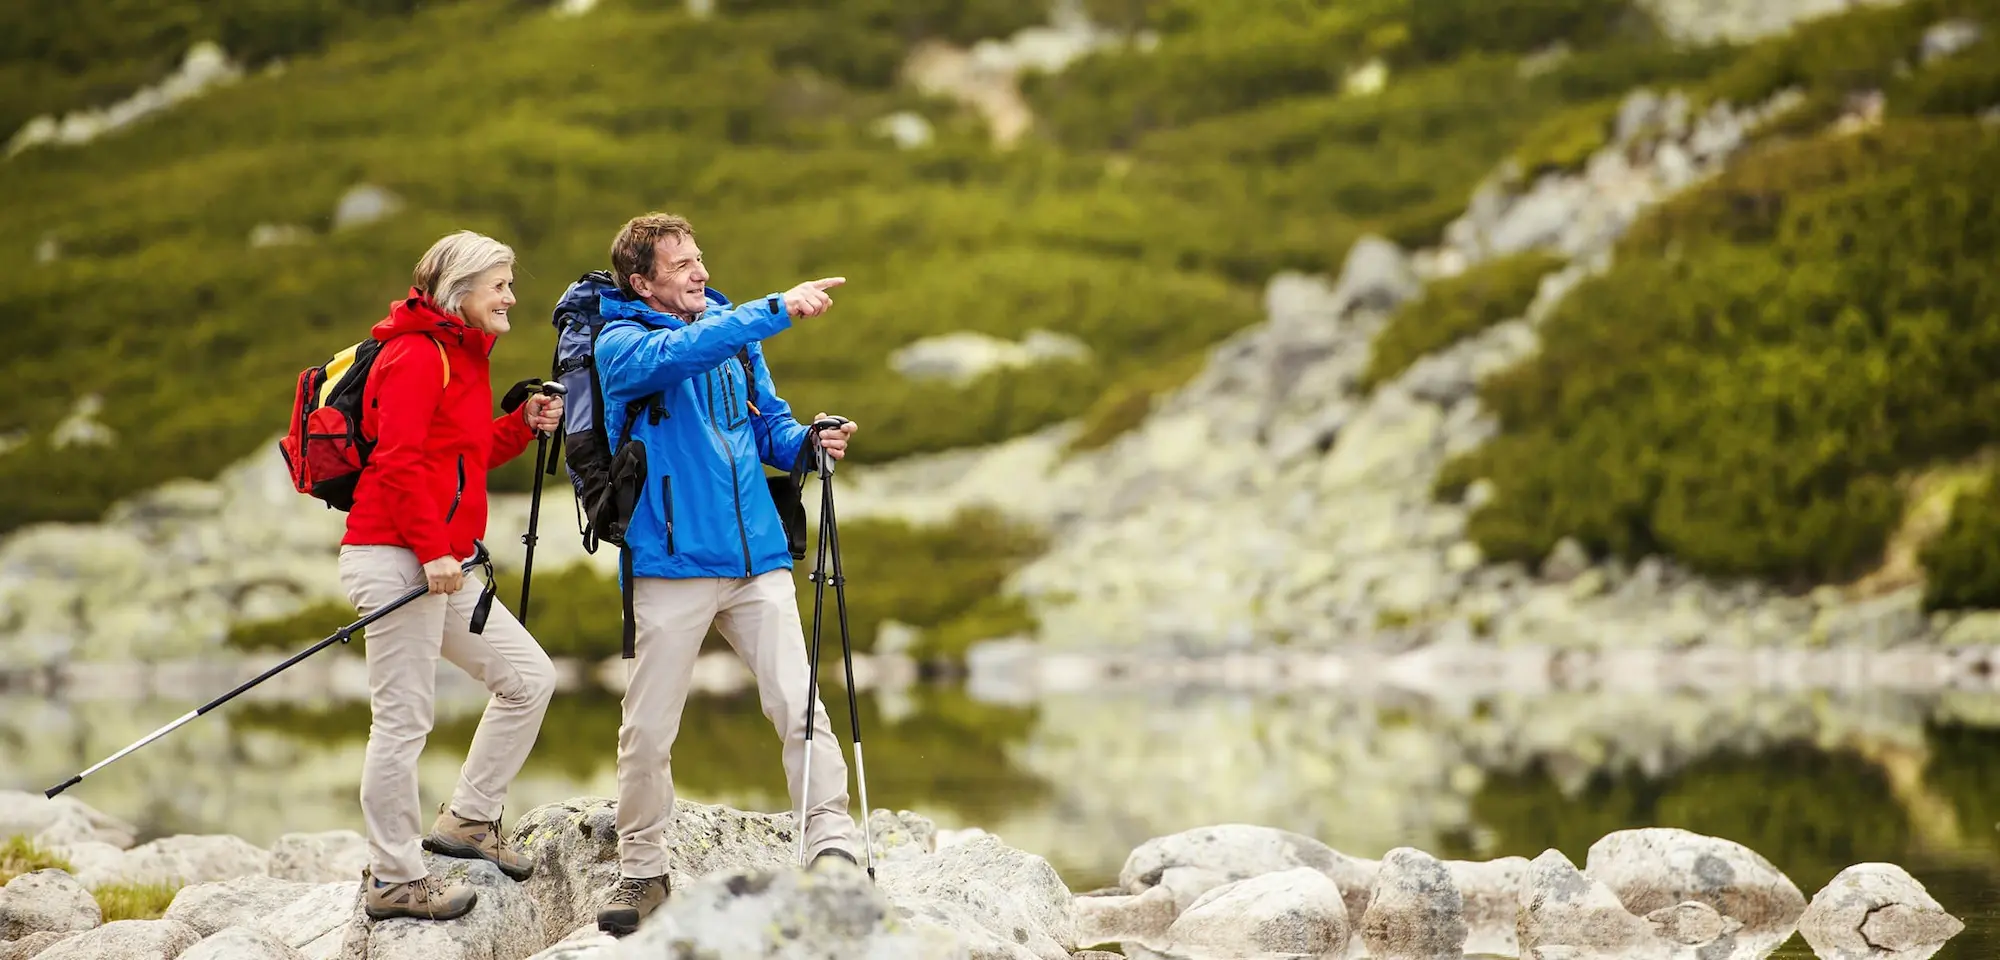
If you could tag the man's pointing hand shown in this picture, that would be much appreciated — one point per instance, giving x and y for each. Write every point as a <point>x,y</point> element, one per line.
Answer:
<point>810,299</point>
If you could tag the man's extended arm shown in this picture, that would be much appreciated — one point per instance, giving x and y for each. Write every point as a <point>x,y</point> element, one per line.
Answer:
<point>636,361</point>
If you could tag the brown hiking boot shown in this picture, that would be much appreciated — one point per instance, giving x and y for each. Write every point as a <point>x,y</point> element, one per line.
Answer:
<point>455,836</point>
<point>630,902</point>
<point>426,898</point>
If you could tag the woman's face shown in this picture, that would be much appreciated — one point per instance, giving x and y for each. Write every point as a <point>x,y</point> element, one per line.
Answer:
<point>485,306</point>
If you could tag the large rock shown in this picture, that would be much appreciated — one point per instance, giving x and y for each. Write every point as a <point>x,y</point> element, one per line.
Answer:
<point>574,847</point>
<point>900,835</point>
<point>784,913</point>
<point>1376,276</point>
<point>1239,851</point>
<point>1295,912</point>
<point>1560,906</point>
<point>503,924</point>
<point>1013,894</point>
<point>31,945</point>
<point>325,857</point>
<point>59,820</point>
<point>1659,867</point>
<point>127,940</point>
<point>241,943</point>
<point>1414,908</point>
<point>1490,891</point>
<point>46,901</point>
<point>308,917</point>
<point>1875,906</point>
<point>190,858</point>
<point>1691,923</point>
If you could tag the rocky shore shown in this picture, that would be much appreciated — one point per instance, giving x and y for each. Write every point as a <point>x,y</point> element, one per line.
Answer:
<point>1229,890</point>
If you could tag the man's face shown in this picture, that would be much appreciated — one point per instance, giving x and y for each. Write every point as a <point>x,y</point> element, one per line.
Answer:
<point>679,284</point>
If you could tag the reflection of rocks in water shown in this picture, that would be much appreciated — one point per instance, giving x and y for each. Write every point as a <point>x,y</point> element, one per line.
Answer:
<point>1477,777</point>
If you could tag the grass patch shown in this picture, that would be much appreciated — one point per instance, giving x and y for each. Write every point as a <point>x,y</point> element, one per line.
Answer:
<point>1771,351</point>
<point>20,854</point>
<point>1963,560</point>
<point>1454,309</point>
<point>123,901</point>
<point>135,901</point>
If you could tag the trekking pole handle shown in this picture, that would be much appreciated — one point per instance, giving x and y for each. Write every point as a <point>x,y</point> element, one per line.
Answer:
<point>553,388</point>
<point>828,422</point>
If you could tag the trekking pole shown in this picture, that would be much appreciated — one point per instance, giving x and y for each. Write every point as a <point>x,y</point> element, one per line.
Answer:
<point>341,635</point>
<point>550,388</point>
<point>829,540</point>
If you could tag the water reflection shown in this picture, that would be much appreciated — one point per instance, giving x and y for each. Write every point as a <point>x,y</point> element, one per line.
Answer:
<point>1814,781</point>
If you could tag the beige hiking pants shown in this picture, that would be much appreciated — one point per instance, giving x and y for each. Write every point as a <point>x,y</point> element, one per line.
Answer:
<point>403,650</point>
<point>759,616</point>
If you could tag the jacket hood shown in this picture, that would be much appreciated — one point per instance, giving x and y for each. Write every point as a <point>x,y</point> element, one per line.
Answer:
<point>417,313</point>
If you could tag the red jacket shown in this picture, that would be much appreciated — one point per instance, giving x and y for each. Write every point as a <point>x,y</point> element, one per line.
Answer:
<point>425,485</point>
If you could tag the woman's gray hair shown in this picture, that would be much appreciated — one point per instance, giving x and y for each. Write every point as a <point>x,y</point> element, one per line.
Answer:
<point>446,272</point>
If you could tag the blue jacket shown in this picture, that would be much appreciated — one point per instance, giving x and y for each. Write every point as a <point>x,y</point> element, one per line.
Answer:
<point>704,510</point>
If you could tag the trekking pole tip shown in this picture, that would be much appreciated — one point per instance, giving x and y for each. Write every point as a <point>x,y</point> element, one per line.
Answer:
<point>65,785</point>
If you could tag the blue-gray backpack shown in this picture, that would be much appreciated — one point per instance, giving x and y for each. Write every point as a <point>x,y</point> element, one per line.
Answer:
<point>602,509</point>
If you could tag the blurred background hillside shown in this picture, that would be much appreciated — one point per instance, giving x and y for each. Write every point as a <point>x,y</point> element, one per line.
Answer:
<point>1175,328</point>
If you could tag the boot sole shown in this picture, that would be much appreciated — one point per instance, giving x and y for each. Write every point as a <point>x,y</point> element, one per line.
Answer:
<point>616,927</point>
<point>380,915</point>
<point>466,851</point>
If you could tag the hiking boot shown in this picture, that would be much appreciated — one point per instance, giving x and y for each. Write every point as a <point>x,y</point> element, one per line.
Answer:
<point>834,852</point>
<point>426,898</point>
<point>455,836</point>
<point>630,902</point>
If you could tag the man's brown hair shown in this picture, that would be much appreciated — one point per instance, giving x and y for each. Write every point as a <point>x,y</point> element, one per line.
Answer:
<point>633,251</point>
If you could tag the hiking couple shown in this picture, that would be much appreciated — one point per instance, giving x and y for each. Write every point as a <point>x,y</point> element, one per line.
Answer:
<point>705,546</point>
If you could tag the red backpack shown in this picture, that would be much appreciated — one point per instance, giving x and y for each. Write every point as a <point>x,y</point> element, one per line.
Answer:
<point>324,448</point>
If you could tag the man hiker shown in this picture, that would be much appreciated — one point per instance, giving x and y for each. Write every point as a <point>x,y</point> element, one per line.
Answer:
<point>687,382</point>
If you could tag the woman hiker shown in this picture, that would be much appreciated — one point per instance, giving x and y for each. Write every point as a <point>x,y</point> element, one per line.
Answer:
<point>417,509</point>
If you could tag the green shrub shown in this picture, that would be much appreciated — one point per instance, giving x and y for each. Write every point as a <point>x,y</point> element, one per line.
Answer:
<point>1130,400</point>
<point>1831,57</point>
<point>1962,565</point>
<point>1564,142</point>
<point>1771,352</point>
<point>1451,310</point>
<point>297,631</point>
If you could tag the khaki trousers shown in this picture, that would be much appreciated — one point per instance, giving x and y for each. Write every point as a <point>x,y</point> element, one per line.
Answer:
<point>759,616</point>
<point>403,650</point>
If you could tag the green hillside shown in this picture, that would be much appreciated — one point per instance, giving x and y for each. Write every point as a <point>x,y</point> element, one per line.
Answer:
<point>1157,192</point>
<point>1141,218</point>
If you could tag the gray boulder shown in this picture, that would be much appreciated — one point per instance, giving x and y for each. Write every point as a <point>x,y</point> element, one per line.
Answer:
<point>1490,893</point>
<point>1875,906</point>
<point>1116,919</point>
<point>311,918</point>
<point>325,857</point>
<point>63,819</point>
<point>1691,924</point>
<point>241,943</point>
<point>31,945</point>
<point>1660,867</point>
<point>46,901</point>
<point>900,835</point>
<point>1297,912</point>
<point>1239,851</point>
<point>1013,894</point>
<point>1415,908</point>
<point>1376,276</point>
<point>785,913</point>
<point>127,940</point>
<point>1560,906</point>
<point>191,858</point>
<point>503,925</point>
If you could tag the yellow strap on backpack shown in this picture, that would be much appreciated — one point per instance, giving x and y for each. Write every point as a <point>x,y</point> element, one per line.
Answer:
<point>343,361</point>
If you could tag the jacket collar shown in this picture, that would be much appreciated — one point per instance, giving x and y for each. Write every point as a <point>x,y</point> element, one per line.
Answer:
<point>614,305</point>
<point>417,313</point>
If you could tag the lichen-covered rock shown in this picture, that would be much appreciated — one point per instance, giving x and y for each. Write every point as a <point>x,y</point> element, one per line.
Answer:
<point>31,945</point>
<point>325,857</point>
<point>241,943</point>
<point>1239,851</point>
<point>1414,907</point>
<point>1297,912</point>
<point>191,858</point>
<point>127,940</point>
<point>900,835</point>
<point>1014,894</point>
<point>46,901</point>
<point>831,911</point>
<point>1561,906</point>
<point>1659,867</point>
<point>574,847</point>
<point>503,925</point>
<point>1875,906</point>
<point>310,918</point>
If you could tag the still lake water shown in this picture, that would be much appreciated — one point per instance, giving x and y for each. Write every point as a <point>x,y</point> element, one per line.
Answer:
<point>1813,780</point>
